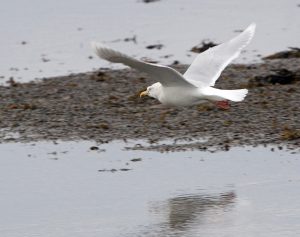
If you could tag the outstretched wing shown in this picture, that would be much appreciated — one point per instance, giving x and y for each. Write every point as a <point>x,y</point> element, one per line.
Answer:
<point>207,67</point>
<point>167,76</point>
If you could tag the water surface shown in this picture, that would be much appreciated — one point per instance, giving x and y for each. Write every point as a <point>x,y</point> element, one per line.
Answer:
<point>66,189</point>
<point>51,38</point>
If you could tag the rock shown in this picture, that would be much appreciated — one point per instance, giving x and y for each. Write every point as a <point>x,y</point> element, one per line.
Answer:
<point>105,170</point>
<point>12,82</point>
<point>291,53</point>
<point>136,159</point>
<point>204,45</point>
<point>133,39</point>
<point>290,134</point>
<point>94,148</point>
<point>45,60</point>
<point>281,76</point>
<point>104,126</point>
<point>150,1</point>
<point>155,46</point>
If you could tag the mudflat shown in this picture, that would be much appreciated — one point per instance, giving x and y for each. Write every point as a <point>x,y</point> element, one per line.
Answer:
<point>104,105</point>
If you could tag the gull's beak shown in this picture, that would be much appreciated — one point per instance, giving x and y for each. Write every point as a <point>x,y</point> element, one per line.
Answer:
<point>144,93</point>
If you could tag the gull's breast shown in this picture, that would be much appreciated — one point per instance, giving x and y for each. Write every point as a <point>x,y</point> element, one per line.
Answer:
<point>179,96</point>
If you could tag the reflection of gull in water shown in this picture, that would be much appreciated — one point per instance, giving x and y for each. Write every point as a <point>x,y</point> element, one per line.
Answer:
<point>184,210</point>
<point>184,215</point>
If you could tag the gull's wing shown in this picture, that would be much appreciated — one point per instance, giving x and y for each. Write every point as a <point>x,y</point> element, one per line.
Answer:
<point>207,67</point>
<point>167,76</point>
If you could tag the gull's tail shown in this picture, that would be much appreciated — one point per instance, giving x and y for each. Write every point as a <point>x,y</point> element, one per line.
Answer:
<point>234,95</point>
<point>218,94</point>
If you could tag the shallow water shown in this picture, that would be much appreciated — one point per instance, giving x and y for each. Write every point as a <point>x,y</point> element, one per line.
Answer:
<point>51,38</point>
<point>66,189</point>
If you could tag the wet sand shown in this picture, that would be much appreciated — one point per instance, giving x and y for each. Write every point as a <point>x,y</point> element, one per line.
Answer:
<point>104,105</point>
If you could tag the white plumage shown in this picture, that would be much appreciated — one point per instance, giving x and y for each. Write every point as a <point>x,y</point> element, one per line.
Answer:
<point>196,84</point>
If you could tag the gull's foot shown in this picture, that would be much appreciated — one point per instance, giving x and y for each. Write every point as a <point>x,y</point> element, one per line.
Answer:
<point>223,104</point>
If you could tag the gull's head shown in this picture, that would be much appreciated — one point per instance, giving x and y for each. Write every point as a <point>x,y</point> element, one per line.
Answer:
<point>152,91</point>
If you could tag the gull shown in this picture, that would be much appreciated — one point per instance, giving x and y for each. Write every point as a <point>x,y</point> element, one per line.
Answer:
<point>196,84</point>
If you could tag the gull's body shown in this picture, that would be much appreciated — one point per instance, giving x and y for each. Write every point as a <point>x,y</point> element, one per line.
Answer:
<point>176,96</point>
<point>196,84</point>
<point>182,98</point>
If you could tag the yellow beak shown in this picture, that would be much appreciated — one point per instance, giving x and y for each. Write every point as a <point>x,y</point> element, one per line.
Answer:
<point>144,93</point>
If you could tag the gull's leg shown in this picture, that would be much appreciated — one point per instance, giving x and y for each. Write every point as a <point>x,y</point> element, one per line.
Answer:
<point>223,104</point>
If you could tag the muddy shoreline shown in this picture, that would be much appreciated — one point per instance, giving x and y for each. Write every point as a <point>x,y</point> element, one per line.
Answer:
<point>104,105</point>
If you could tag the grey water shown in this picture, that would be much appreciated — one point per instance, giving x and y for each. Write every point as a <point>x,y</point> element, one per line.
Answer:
<point>66,189</point>
<point>52,38</point>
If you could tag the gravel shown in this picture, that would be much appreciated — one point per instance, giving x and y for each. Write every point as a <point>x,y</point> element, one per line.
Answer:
<point>104,105</point>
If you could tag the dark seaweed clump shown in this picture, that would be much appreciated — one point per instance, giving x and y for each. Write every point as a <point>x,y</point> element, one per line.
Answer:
<point>204,45</point>
<point>293,52</point>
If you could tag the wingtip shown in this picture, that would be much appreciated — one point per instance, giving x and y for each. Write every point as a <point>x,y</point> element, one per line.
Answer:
<point>252,27</point>
<point>250,31</point>
<point>95,45</point>
<point>100,49</point>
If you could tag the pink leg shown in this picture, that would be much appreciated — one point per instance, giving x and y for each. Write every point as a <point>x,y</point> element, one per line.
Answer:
<point>223,104</point>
